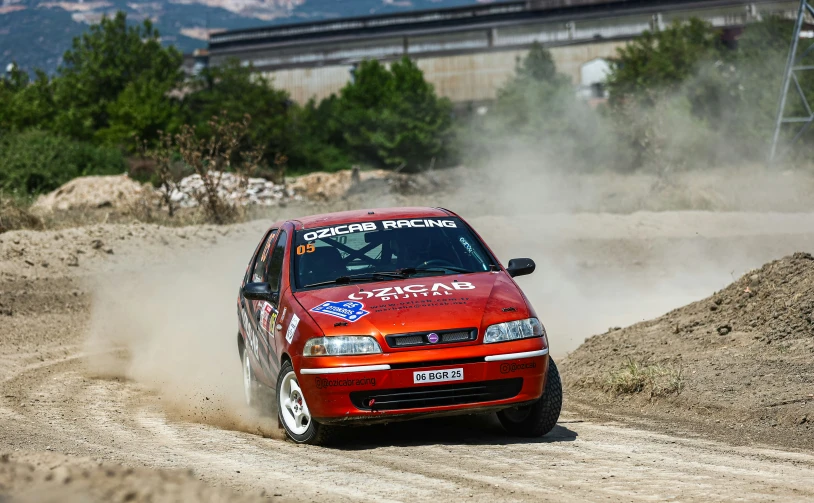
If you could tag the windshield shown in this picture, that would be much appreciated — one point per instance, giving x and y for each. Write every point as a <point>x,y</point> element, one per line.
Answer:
<point>386,249</point>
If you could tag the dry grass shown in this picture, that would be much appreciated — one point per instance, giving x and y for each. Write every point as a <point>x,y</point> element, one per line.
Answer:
<point>14,215</point>
<point>655,380</point>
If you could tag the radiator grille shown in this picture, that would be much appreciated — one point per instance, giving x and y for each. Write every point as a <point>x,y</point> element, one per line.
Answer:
<point>431,338</point>
<point>436,396</point>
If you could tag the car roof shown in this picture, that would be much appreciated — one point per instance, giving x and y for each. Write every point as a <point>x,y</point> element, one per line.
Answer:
<point>349,217</point>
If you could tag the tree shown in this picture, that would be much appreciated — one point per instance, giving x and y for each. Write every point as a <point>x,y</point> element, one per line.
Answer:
<point>24,103</point>
<point>141,111</point>
<point>537,109</point>
<point>392,117</point>
<point>537,91</point>
<point>232,91</point>
<point>683,89</point>
<point>34,161</point>
<point>101,64</point>
<point>320,143</point>
<point>662,60</point>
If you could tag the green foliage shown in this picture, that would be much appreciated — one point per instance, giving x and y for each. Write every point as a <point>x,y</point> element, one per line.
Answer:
<point>101,64</point>
<point>319,143</point>
<point>392,117</point>
<point>758,71</point>
<point>678,97</point>
<point>140,112</point>
<point>538,110</point>
<point>231,91</point>
<point>662,60</point>
<point>38,161</point>
<point>24,103</point>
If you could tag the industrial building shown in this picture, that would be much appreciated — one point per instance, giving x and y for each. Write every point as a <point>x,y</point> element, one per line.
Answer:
<point>468,53</point>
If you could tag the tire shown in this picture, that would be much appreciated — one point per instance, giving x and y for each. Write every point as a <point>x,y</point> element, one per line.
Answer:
<point>256,395</point>
<point>540,417</point>
<point>293,413</point>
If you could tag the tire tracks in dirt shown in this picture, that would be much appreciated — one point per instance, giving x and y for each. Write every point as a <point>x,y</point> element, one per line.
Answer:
<point>430,460</point>
<point>52,401</point>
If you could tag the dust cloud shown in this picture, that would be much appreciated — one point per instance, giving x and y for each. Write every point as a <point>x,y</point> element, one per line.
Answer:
<point>173,328</point>
<point>613,249</point>
<point>604,258</point>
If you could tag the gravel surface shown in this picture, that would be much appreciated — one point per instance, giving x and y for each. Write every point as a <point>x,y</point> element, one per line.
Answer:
<point>124,361</point>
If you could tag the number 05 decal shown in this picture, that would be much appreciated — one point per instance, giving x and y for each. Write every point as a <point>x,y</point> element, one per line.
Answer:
<point>303,249</point>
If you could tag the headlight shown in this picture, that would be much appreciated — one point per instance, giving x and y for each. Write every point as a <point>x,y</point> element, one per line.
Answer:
<point>513,330</point>
<point>341,345</point>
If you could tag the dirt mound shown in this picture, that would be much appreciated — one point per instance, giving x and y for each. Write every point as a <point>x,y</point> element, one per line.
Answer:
<point>117,191</point>
<point>321,186</point>
<point>46,477</point>
<point>773,303</point>
<point>739,360</point>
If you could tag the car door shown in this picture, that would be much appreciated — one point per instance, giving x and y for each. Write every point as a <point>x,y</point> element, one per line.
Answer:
<point>270,326</point>
<point>256,314</point>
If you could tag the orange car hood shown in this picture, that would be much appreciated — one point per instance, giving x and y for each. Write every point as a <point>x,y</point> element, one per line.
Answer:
<point>415,304</point>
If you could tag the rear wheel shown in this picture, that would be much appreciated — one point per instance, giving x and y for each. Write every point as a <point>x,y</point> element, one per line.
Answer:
<point>256,395</point>
<point>293,411</point>
<point>250,384</point>
<point>540,417</point>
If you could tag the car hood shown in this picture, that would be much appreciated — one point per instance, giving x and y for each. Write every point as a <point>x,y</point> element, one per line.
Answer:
<point>416,304</point>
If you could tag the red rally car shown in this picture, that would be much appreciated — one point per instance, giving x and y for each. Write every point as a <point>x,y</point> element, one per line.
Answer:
<point>390,314</point>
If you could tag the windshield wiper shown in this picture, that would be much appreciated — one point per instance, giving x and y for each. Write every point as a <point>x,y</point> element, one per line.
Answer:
<point>353,278</point>
<point>409,271</point>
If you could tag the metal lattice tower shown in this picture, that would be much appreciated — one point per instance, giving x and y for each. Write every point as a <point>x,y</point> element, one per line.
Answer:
<point>793,65</point>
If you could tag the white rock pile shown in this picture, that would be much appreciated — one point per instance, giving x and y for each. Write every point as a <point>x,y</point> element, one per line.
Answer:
<point>258,191</point>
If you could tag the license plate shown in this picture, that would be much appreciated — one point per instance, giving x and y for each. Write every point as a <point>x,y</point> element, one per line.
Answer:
<point>438,376</point>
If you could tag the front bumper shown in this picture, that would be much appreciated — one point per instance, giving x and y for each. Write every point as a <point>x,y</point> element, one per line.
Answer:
<point>380,388</point>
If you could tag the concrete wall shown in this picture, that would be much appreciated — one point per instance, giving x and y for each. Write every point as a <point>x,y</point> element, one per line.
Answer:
<point>305,83</point>
<point>472,61</point>
<point>461,78</point>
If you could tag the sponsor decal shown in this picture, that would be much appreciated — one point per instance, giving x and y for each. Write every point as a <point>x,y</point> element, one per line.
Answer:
<point>323,382</point>
<point>340,230</point>
<point>409,291</point>
<point>420,223</point>
<point>292,327</point>
<point>265,317</point>
<point>282,318</point>
<point>466,245</point>
<point>251,335</point>
<point>433,338</point>
<point>348,311</point>
<point>509,367</point>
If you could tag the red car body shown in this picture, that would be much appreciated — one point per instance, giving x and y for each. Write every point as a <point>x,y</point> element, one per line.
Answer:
<point>383,387</point>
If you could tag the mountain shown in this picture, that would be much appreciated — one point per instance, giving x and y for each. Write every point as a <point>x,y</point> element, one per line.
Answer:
<point>35,33</point>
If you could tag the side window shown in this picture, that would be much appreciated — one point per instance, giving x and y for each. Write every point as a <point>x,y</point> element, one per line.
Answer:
<point>259,273</point>
<point>276,263</point>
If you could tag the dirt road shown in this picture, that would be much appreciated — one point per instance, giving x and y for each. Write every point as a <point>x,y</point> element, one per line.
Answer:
<point>127,358</point>
<point>426,461</point>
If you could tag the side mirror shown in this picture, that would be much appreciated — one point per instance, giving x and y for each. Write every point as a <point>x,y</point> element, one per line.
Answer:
<point>260,291</point>
<point>520,267</point>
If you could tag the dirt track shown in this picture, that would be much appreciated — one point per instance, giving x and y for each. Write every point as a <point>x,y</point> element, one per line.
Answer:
<point>169,401</point>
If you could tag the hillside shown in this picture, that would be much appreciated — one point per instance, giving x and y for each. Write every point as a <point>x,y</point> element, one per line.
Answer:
<point>736,364</point>
<point>35,33</point>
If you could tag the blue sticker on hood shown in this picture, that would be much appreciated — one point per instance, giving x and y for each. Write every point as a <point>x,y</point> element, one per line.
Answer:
<point>347,310</point>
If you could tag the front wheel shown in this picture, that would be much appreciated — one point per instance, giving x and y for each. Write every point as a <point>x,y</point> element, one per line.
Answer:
<point>540,417</point>
<point>294,413</point>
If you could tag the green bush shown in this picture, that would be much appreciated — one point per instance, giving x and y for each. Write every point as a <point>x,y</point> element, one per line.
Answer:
<point>537,111</point>
<point>35,161</point>
<point>392,118</point>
